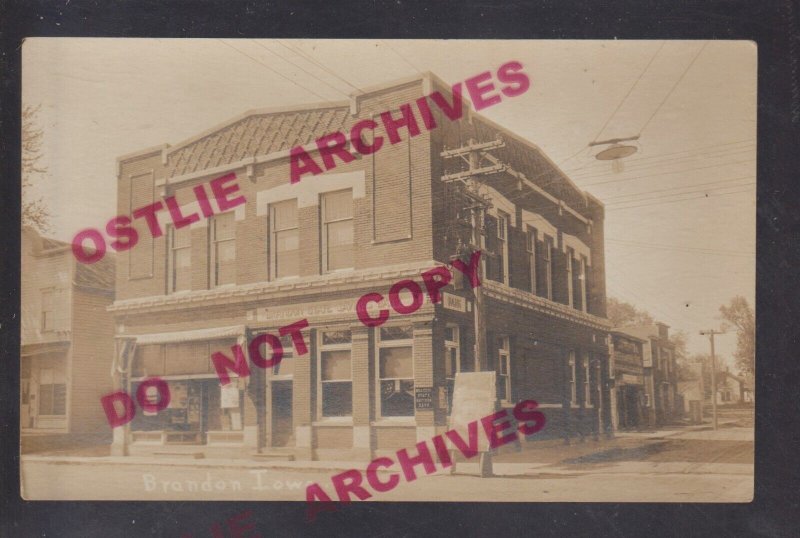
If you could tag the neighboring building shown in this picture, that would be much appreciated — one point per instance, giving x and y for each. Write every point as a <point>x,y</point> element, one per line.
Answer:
<point>630,400</point>
<point>312,249</point>
<point>67,343</point>
<point>691,390</point>
<point>731,389</point>
<point>660,371</point>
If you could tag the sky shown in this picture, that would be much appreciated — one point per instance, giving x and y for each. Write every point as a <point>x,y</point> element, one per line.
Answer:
<point>680,216</point>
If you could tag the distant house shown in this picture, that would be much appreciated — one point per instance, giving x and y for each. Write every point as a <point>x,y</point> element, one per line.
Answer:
<point>732,389</point>
<point>67,343</point>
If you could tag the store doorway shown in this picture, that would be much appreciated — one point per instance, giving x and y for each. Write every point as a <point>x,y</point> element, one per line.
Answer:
<point>281,413</point>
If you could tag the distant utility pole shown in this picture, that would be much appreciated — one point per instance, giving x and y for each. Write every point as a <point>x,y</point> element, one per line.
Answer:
<point>710,333</point>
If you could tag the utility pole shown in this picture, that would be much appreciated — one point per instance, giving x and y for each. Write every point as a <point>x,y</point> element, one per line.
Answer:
<point>710,333</point>
<point>473,153</point>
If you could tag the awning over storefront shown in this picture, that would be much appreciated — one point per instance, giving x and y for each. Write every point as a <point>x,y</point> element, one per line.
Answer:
<point>177,337</point>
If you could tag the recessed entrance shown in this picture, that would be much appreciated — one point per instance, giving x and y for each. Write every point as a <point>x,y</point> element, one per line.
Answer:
<point>281,413</point>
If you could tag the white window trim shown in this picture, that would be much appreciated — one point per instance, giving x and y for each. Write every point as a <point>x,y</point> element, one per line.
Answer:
<point>212,250</point>
<point>332,347</point>
<point>573,382</point>
<point>582,278</point>
<point>380,344</point>
<point>51,292</point>
<point>171,230</point>
<point>502,236</point>
<point>547,249</point>
<point>323,231</point>
<point>504,355</point>
<point>587,388</point>
<point>570,254</point>
<point>453,344</point>
<point>273,244</point>
<point>531,239</point>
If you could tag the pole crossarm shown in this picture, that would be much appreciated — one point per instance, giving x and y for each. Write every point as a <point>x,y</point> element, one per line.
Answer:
<point>481,151</point>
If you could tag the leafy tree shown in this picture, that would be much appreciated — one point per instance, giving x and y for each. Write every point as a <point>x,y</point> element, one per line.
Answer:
<point>34,211</point>
<point>738,315</point>
<point>623,314</point>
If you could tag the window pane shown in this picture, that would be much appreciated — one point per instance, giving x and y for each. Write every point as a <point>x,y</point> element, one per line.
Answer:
<point>396,362</point>
<point>224,226</point>
<point>45,399</point>
<point>340,245</point>
<point>183,272</point>
<point>60,399</point>
<point>396,333</point>
<point>337,399</point>
<point>226,262</point>
<point>335,337</point>
<point>338,205</point>
<point>450,364</point>
<point>335,365</point>
<point>397,398</point>
<point>285,367</point>
<point>284,215</point>
<point>181,237</point>
<point>287,245</point>
<point>501,387</point>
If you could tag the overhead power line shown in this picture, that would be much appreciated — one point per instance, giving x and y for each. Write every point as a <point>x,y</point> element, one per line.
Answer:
<point>677,83</point>
<point>276,72</point>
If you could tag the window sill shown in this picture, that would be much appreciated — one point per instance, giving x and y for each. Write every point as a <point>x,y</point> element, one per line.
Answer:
<point>390,422</point>
<point>334,421</point>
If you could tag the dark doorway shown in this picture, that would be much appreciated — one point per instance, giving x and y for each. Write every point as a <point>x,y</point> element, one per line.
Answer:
<point>281,413</point>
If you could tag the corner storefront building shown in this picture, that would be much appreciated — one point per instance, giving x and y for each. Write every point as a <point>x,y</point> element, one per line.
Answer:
<point>311,250</point>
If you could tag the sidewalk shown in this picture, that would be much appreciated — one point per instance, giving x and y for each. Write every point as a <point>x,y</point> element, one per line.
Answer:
<point>529,461</point>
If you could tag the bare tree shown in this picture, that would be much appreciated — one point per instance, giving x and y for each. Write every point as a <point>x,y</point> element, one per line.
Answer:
<point>738,314</point>
<point>34,211</point>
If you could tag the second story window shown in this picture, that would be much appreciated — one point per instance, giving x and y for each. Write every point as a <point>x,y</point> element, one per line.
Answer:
<point>570,276</point>
<point>547,261</point>
<point>222,263</point>
<point>502,246</point>
<point>337,230</point>
<point>531,248</point>
<point>48,310</point>
<point>284,239</point>
<point>582,276</point>
<point>179,271</point>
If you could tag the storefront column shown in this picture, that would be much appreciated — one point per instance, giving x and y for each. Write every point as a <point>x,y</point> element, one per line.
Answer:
<point>360,357</point>
<point>423,379</point>
<point>303,388</point>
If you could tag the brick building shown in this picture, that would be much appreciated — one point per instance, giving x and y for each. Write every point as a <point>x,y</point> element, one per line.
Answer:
<point>660,372</point>
<point>310,250</point>
<point>67,341</point>
<point>629,400</point>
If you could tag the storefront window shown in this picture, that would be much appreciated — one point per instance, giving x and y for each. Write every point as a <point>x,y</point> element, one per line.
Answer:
<point>336,377</point>
<point>52,393</point>
<point>396,372</point>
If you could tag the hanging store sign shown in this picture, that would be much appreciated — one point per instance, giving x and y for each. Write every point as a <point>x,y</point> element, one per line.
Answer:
<point>229,396</point>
